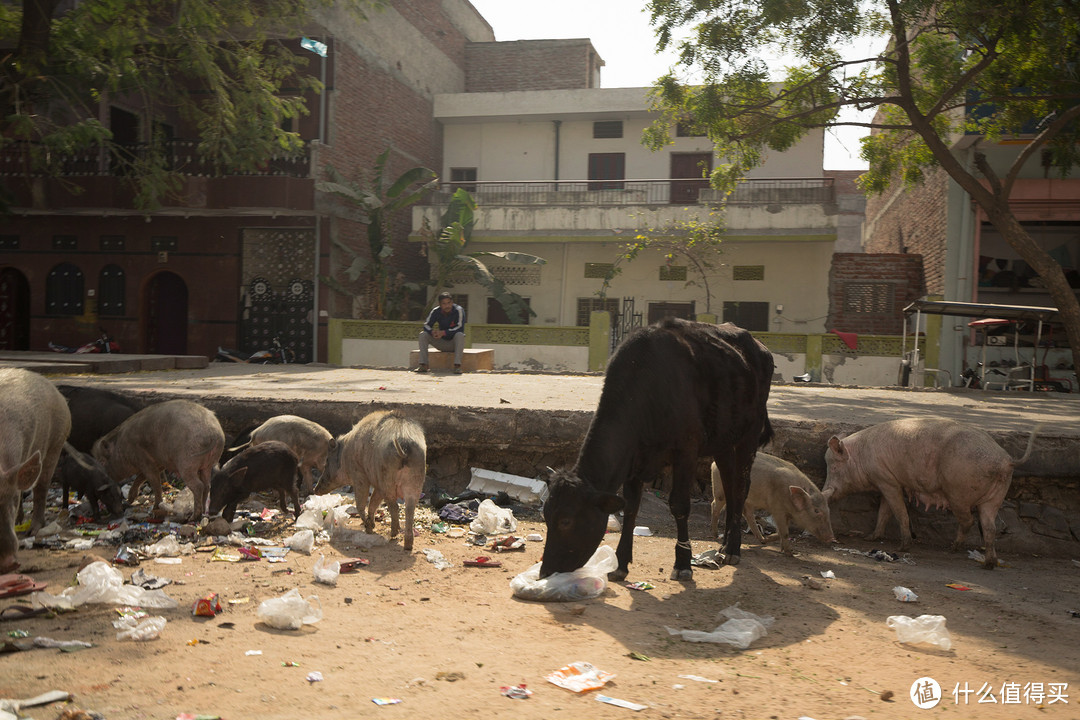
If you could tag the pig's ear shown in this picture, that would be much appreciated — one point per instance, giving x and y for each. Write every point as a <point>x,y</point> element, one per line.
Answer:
<point>238,474</point>
<point>836,445</point>
<point>28,472</point>
<point>827,493</point>
<point>799,497</point>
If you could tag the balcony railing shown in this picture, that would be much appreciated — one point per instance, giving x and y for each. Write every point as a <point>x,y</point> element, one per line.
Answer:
<point>182,156</point>
<point>686,191</point>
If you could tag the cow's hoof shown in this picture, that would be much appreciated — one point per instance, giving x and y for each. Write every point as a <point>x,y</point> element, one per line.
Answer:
<point>618,574</point>
<point>731,559</point>
<point>683,575</point>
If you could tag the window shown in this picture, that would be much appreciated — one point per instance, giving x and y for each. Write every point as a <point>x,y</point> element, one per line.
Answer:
<point>748,272</point>
<point>607,129</point>
<point>673,272</point>
<point>869,297</point>
<point>163,242</point>
<point>598,270</point>
<point>688,129</point>
<point>589,305</point>
<point>607,167</point>
<point>65,242</point>
<point>111,291</point>
<point>752,316</point>
<point>659,311</point>
<point>111,243</point>
<point>464,178</point>
<point>64,290</point>
<point>496,314</point>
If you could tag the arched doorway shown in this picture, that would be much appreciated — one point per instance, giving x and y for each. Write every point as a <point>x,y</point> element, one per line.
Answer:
<point>14,310</point>
<point>165,314</point>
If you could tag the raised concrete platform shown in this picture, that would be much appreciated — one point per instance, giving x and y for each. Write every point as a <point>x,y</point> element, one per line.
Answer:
<point>471,359</point>
<point>102,363</point>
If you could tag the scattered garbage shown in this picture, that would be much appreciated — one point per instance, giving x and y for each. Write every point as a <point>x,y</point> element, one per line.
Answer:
<point>436,558</point>
<point>508,543</point>
<point>326,572</point>
<point>522,489</point>
<point>139,629</point>
<point>208,606</point>
<point>928,629</point>
<point>290,611</point>
<point>613,524</point>
<point>709,559</point>
<point>493,520</point>
<point>386,701</point>
<point>253,652</point>
<point>482,561</point>
<point>314,676</point>
<point>698,678</point>
<point>640,585</point>
<point>957,586</point>
<point>14,706</point>
<point>100,583</point>
<point>534,537</point>
<point>904,594</point>
<point>65,645</point>
<point>586,582</point>
<point>620,703</point>
<point>579,677</point>
<point>353,564</point>
<point>516,692</point>
<point>828,574</point>
<point>642,531</point>
<point>741,629</point>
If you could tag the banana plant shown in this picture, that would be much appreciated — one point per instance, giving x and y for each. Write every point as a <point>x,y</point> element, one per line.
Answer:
<point>451,257</point>
<point>376,203</point>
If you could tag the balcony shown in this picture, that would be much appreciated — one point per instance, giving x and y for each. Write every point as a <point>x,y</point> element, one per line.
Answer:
<point>687,191</point>
<point>793,208</point>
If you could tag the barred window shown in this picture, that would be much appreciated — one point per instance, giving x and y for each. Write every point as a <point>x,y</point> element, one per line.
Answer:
<point>65,242</point>
<point>748,272</point>
<point>607,129</point>
<point>753,316</point>
<point>589,305</point>
<point>163,242</point>
<point>869,297</point>
<point>111,243</point>
<point>64,290</point>
<point>673,272</point>
<point>111,291</point>
<point>598,270</point>
<point>9,242</point>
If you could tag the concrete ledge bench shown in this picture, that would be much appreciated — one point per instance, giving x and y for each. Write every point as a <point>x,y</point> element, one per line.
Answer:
<point>471,360</point>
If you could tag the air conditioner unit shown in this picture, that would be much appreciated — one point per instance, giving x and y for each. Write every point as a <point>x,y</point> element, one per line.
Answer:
<point>997,340</point>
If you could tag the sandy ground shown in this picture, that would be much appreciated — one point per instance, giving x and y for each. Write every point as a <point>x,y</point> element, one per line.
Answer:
<point>444,642</point>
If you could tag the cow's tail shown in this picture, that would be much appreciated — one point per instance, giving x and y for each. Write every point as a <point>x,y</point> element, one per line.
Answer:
<point>1031,444</point>
<point>766,433</point>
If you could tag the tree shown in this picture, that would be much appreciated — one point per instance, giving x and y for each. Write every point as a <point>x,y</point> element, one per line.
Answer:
<point>375,203</point>
<point>220,67</point>
<point>449,245</point>
<point>996,69</point>
<point>696,242</point>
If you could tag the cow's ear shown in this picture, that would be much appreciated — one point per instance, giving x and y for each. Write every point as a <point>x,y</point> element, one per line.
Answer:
<point>836,445</point>
<point>609,502</point>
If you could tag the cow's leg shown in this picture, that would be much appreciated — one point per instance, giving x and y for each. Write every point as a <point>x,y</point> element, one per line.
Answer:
<point>682,477</point>
<point>625,551</point>
<point>735,471</point>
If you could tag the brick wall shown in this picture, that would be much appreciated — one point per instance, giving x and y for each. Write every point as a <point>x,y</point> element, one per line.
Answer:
<point>868,291</point>
<point>530,65</point>
<point>912,220</point>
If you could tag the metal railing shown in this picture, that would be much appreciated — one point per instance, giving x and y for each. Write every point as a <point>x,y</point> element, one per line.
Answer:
<point>678,191</point>
<point>22,158</point>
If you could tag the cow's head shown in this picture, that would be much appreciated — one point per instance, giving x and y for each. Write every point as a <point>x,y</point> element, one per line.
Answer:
<point>576,517</point>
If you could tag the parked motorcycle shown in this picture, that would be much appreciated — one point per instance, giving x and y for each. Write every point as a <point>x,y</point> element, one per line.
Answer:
<point>103,344</point>
<point>278,354</point>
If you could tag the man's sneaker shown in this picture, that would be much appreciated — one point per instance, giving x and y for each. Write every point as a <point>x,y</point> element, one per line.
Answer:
<point>457,369</point>
<point>421,369</point>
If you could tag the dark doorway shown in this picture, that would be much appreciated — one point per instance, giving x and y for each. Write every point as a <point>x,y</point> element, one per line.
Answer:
<point>14,310</point>
<point>689,165</point>
<point>165,310</point>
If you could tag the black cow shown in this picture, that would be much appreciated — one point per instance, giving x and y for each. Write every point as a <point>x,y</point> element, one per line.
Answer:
<point>674,392</point>
<point>94,413</point>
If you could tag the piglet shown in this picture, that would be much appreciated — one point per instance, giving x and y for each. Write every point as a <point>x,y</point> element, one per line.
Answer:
<point>786,493</point>
<point>87,477</point>
<point>385,453</point>
<point>268,466</point>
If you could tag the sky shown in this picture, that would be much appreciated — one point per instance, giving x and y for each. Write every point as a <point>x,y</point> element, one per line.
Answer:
<point>621,34</point>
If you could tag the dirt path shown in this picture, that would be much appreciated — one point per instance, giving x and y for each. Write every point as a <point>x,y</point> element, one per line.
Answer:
<point>445,641</point>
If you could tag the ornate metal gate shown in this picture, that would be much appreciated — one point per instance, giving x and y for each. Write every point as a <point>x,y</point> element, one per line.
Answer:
<point>624,322</point>
<point>278,292</point>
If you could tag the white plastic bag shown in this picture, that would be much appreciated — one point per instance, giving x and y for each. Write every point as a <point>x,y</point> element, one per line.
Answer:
<point>168,546</point>
<point>290,611</point>
<point>309,520</point>
<point>101,583</point>
<point>493,520</point>
<point>904,594</point>
<point>741,629</point>
<point>141,630</point>
<point>301,541</point>
<point>326,572</point>
<point>928,629</point>
<point>586,582</point>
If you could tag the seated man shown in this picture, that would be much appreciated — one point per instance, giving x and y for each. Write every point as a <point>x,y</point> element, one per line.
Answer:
<point>445,329</point>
